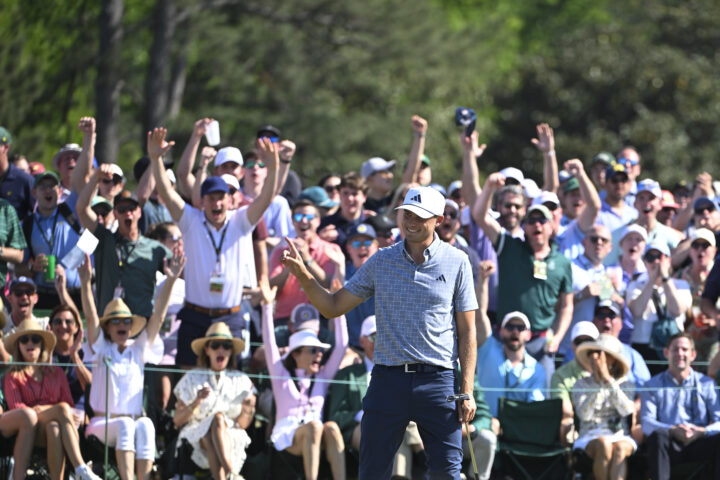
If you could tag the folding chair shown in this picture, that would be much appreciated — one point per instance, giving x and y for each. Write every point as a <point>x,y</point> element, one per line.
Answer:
<point>529,440</point>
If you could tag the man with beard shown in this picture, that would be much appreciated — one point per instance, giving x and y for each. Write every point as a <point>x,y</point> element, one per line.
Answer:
<point>320,258</point>
<point>614,211</point>
<point>532,266</point>
<point>125,261</point>
<point>447,231</point>
<point>505,364</point>
<point>681,414</point>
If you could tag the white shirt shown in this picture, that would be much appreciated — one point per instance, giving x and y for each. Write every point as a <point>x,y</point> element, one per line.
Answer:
<point>202,261</point>
<point>10,326</point>
<point>125,388</point>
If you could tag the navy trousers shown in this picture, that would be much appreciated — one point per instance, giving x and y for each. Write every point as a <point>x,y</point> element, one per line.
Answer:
<point>393,399</point>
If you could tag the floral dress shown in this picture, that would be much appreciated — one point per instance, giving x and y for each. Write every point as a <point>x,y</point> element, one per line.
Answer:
<point>227,392</point>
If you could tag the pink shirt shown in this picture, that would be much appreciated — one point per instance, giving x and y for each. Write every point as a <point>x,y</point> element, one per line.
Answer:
<point>290,401</point>
<point>22,390</point>
<point>291,294</point>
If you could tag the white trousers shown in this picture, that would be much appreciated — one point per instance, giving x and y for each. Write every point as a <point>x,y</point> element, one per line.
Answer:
<point>124,433</point>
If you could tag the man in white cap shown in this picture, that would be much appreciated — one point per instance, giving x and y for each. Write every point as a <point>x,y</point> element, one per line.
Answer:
<point>378,174</point>
<point>425,312</point>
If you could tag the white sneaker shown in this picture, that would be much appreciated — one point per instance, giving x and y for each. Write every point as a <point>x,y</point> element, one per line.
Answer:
<point>86,474</point>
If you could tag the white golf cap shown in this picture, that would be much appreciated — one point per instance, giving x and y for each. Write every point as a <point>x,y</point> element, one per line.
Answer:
<point>513,316</point>
<point>584,329</point>
<point>530,188</point>
<point>634,227</point>
<point>514,173</point>
<point>376,164</point>
<point>228,154</point>
<point>425,202</point>
<point>703,234</point>
<point>545,197</point>
<point>368,326</point>
<point>231,181</point>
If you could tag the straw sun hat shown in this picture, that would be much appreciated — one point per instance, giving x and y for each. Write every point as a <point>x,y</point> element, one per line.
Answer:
<point>605,343</point>
<point>31,327</point>
<point>217,331</point>
<point>118,309</point>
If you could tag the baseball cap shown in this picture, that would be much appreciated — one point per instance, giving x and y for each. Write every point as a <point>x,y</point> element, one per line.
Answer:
<point>649,185</point>
<point>616,169</point>
<point>634,227</point>
<point>380,223</point>
<point>539,208</point>
<point>5,137</point>
<point>228,154</point>
<point>70,147</point>
<point>126,195</point>
<point>36,168</point>
<point>376,164</point>
<point>318,196</point>
<point>607,303</point>
<point>362,229</point>
<point>42,176</point>
<point>603,157</point>
<point>22,281</point>
<point>305,316</point>
<point>231,181</point>
<point>659,246</point>
<point>530,188</point>
<point>268,131</point>
<point>99,201</point>
<point>584,329</point>
<point>545,197</point>
<point>570,185</point>
<point>515,315</point>
<point>425,202</point>
<point>456,185</point>
<point>213,184</point>
<point>704,202</point>
<point>514,173</point>
<point>452,204</point>
<point>368,326</point>
<point>667,200</point>
<point>703,234</point>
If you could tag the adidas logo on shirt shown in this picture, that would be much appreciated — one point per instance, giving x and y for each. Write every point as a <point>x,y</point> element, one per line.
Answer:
<point>441,278</point>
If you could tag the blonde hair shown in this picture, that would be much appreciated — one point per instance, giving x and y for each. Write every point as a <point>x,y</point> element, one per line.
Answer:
<point>16,369</point>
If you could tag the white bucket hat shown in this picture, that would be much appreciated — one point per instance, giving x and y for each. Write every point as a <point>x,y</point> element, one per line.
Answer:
<point>304,338</point>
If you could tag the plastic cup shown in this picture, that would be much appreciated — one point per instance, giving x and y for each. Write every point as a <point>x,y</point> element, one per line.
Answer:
<point>212,133</point>
<point>50,269</point>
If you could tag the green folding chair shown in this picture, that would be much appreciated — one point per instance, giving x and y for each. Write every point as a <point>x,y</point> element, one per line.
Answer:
<point>529,439</point>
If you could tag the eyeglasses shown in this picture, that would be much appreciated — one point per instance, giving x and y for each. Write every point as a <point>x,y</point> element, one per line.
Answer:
<point>606,314</point>
<point>452,214</point>
<point>36,339</point>
<point>534,220</point>
<point>627,161</point>
<point>510,327</point>
<point>652,256</point>
<point>125,208</point>
<point>703,209</point>
<point>253,163</point>
<point>224,344</point>
<point>232,190</point>
<point>19,292</point>
<point>700,246</point>
<point>57,321</point>
<point>125,321</point>
<point>551,206</point>
<point>332,188</point>
<point>619,179</point>
<point>299,217</point>
<point>361,243</point>
<point>516,206</point>
<point>601,240</point>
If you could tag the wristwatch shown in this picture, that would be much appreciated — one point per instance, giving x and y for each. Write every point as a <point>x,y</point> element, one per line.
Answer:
<point>665,279</point>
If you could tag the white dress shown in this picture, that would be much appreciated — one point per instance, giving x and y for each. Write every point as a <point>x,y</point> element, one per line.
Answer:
<point>226,396</point>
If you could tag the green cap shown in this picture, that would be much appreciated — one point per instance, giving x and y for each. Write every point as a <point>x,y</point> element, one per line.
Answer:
<point>99,201</point>
<point>604,157</point>
<point>571,185</point>
<point>47,174</point>
<point>425,160</point>
<point>5,137</point>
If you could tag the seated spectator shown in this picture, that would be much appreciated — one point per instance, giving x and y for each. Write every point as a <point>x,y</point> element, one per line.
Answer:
<point>67,327</point>
<point>129,432</point>
<point>44,388</point>
<point>216,404</point>
<point>345,404</point>
<point>20,423</point>
<point>653,297</point>
<point>602,401</point>
<point>681,414</point>
<point>22,299</point>
<point>564,378</point>
<point>299,398</point>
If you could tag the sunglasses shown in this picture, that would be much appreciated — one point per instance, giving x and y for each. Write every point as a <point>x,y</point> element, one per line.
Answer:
<point>456,194</point>
<point>125,208</point>
<point>534,220</point>
<point>701,210</point>
<point>224,344</point>
<point>332,188</point>
<point>115,180</point>
<point>651,256</point>
<point>580,340</point>
<point>627,161</point>
<point>700,246</point>
<point>606,314</point>
<point>299,217</point>
<point>516,206</point>
<point>315,350</point>
<point>36,339</point>
<point>452,214</point>
<point>19,292</point>
<point>272,139</point>
<point>59,321</point>
<point>513,327</point>
<point>551,206</point>
<point>125,321</point>
<point>232,190</point>
<point>253,163</point>
<point>601,240</point>
<point>619,179</point>
<point>361,243</point>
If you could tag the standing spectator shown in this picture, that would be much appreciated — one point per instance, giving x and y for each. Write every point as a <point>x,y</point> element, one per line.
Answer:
<point>153,210</point>
<point>319,197</point>
<point>334,228</point>
<point>385,229</point>
<point>215,244</point>
<point>12,240</point>
<point>125,261</point>
<point>601,401</point>
<point>532,266</point>
<point>64,162</point>
<point>331,184</point>
<point>378,175</point>
<point>447,231</point>
<point>16,185</point>
<point>681,414</point>
<point>668,209</point>
<point>361,245</point>
<point>615,212</point>
<point>598,170</point>
<point>630,158</point>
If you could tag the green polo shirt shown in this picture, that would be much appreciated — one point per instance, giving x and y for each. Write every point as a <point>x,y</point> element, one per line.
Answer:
<point>11,234</point>
<point>520,290</point>
<point>564,378</point>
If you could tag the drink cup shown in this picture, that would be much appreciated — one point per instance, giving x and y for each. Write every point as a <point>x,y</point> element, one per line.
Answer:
<point>212,133</point>
<point>50,269</point>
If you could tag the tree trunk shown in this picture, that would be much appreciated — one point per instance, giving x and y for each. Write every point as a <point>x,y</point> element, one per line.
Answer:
<point>108,82</point>
<point>157,82</point>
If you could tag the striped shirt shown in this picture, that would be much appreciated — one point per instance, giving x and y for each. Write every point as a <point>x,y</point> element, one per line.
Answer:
<point>415,305</point>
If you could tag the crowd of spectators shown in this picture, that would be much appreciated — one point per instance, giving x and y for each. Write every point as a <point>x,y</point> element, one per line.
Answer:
<point>598,287</point>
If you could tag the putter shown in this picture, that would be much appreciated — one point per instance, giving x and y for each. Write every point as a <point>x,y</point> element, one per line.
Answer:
<point>456,398</point>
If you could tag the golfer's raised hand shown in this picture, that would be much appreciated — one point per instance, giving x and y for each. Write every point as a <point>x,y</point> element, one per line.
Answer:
<point>466,410</point>
<point>292,260</point>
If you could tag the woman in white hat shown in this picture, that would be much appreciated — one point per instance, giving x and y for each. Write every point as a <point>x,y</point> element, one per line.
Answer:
<point>299,398</point>
<point>602,402</point>
<point>215,404</point>
<point>122,360</point>
<point>45,389</point>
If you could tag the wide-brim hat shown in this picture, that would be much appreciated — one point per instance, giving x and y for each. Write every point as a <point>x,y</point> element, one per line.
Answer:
<point>31,327</point>
<point>304,338</point>
<point>217,331</point>
<point>605,343</point>
<point>119,309</point>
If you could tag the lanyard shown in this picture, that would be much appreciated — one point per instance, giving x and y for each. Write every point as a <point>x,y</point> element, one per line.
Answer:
<point>217,248</point>
<point>517,383</point>
<point>122,260</point>
<point>50,241</point>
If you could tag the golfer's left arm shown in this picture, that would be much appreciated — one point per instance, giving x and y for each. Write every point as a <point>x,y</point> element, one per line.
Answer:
<point>467,354</point>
